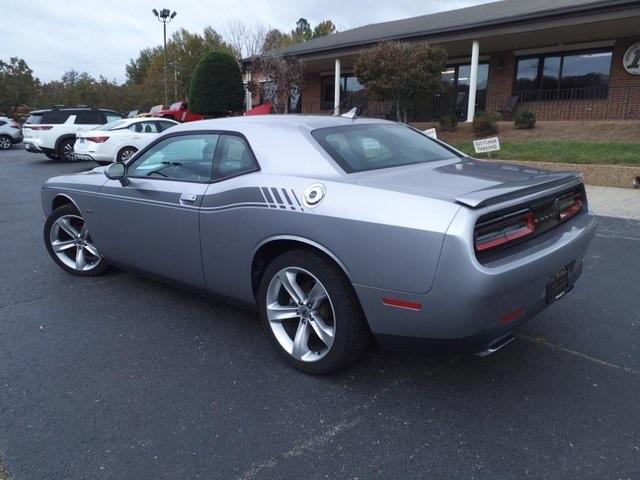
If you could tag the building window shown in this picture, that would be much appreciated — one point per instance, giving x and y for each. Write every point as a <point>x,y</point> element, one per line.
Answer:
<point>348,84</point>
<point>563,76</point>
<point>456,80</point>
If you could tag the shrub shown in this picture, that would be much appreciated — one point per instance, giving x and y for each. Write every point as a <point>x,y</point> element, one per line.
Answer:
<point>216,88</point>
<point>524,119</point>
<point>448,122</point>
<point>485,124</point>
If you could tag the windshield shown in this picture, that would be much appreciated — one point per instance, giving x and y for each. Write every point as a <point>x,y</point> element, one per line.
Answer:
<point>358,148</point>
<point>111,125</point>
<point>175,106</point>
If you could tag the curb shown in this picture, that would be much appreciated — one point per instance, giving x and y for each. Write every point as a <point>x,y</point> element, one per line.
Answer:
<point>620,176</point>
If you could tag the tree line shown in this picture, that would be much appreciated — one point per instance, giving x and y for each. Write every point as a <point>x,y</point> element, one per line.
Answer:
<point>143,88</point>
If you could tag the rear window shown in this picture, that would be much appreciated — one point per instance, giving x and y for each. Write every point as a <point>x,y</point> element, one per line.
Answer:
<point>358,148</point>
<point>55,117</point>
<point>34,119</point>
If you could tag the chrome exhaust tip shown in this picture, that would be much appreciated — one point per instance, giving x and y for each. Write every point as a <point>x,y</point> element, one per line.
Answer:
<point>495,346</point>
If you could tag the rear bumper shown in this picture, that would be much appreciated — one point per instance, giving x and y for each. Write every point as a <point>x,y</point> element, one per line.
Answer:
<point>32,147</point>
<point>472,304</point>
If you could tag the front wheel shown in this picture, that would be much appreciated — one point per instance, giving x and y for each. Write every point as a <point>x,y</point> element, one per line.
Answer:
<point>69,244</point>
<point>311,312</point>
<point>52,156</point>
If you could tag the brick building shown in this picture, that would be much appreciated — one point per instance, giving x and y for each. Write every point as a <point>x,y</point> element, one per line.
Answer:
<point>563,59</point>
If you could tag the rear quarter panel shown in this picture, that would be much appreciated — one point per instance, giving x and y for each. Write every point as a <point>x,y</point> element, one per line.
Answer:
<point>383,239</point>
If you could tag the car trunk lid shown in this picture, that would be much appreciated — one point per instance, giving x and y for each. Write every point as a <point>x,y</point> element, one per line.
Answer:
<point>474,183</point>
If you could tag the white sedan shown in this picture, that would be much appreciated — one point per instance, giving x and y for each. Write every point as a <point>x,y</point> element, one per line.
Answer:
<point>119,140</point>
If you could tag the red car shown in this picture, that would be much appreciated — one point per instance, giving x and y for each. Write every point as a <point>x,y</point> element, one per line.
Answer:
<point>179,112</point>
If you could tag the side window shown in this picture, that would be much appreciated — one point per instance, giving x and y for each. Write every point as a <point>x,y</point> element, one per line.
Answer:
<point>233,157</point>
<point>149,127</point>
<point>89,117</point>
<point>136,127</point>
<point>185,157</point>
<point>2,122</point>
<point>162,126</point>
<point>112,117</point>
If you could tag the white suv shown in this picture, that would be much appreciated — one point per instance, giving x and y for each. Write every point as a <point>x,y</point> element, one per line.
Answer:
<point>53,132</point>
<point>9,133</point>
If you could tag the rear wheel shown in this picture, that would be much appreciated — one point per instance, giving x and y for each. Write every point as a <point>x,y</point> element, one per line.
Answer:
<point>311,312</point>
<point>125,154</point>
<point>52,155</point>
<point>5,142</point>
<point>69,244</point>
<point>65,150</point>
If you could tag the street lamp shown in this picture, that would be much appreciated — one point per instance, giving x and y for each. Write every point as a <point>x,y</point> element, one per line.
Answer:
<point>165,16</point>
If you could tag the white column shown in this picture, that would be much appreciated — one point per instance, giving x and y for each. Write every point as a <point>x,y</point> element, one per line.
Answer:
<point>473,80</point>
<point>336,98</point>
<point>247,94</point>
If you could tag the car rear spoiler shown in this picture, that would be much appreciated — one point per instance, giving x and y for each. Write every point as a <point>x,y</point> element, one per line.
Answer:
<point>490,196</point>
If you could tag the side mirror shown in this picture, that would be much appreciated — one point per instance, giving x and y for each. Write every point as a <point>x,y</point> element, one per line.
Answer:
<point>116,171</point>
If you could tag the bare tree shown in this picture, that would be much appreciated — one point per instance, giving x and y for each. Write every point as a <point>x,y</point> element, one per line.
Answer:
<point>284,77</point>
<point>245,39</point>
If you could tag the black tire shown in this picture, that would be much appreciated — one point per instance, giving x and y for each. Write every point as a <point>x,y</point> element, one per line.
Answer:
<point>64,210</point>
<point>52,156</point>
<point>65,150</point>
<point>351,329</point>
<point>125,153</point>
<point>5,142</point>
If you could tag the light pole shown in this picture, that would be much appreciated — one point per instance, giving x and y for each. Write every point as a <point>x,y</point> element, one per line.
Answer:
<point>165,16</point>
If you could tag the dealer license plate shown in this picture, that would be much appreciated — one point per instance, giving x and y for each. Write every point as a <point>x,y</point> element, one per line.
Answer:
<point>558,285</point>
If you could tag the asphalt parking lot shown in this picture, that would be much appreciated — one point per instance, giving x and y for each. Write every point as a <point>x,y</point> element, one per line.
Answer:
<point>119,377</point>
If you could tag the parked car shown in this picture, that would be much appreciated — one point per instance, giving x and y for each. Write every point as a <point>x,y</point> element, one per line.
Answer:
<point>119,140</point>
<point>152,112</point>
<point>334,229</point>
<point>179,112</point>
<point>53,131</point>
<point>10,133</point>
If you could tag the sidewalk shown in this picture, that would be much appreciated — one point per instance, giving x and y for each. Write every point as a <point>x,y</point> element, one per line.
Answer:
<point>614,202</point>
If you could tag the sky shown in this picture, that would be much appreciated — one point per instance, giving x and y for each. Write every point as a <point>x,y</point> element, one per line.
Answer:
<point>101,36</point>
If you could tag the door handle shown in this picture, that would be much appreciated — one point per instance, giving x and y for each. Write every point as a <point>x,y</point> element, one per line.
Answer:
<point>188,198</point>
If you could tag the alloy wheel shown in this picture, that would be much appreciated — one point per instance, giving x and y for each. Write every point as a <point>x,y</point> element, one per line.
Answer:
<point>72,244</point>
<point>300,314</point>
<point>5,143</point>
<point>127,154</point>
<point>68,153</point>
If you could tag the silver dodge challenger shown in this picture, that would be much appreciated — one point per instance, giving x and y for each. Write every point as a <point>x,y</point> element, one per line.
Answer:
<point>337,230</point>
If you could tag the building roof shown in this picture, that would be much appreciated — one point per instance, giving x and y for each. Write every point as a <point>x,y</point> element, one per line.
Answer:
<point>485,15</point>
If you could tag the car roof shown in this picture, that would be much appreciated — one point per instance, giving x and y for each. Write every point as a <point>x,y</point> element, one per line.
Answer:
<point>131,121</point>
<point>64,109</point>
<point>308,122</point>
<point>283,144</point>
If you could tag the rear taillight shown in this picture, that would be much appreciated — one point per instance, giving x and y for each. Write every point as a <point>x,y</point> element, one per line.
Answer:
<point>493,234</point>
<point>39,127</point>
<point>534,220</point>
<point>569,206</point>
<point>97,139</point>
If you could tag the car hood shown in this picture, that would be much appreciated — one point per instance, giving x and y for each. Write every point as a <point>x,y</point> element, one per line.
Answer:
<point>468,181</point>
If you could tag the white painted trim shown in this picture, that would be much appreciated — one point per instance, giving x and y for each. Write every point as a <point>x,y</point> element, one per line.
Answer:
<point>473,80</point>
<point>336,97</point>
<point>565,48</point>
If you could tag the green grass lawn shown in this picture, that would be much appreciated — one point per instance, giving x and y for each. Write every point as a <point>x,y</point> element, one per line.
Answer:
<point>561,151</point>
